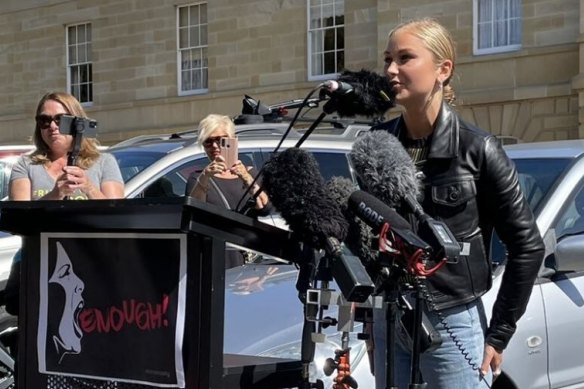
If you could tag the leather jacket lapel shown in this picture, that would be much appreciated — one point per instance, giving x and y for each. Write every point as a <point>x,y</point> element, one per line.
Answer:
<point>445,137</point>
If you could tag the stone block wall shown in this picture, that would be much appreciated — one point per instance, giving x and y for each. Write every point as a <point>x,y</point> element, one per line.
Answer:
<point>259,47</point>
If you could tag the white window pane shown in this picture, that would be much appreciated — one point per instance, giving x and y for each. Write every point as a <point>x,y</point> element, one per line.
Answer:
<point>183,16</point>
<point>183,37</point>
<point>317,64</point>
<point>72,55</point>
<point>203,13</point>
<point>204,40</point>
<point>515,32</point>
<point>195,36</point>
<point>72,35</point>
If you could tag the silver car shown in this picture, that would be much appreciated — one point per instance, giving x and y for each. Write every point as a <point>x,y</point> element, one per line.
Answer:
<point>545,352</point>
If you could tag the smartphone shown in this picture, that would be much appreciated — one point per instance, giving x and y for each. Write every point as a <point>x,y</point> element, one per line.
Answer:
<point>229,151</point>
<point>72,125</point>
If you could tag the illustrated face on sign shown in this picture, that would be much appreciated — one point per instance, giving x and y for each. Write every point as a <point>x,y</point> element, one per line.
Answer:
<point>68,339</point>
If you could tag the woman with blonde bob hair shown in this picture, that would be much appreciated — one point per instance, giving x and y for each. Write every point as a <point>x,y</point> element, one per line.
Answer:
<point>224,185</point>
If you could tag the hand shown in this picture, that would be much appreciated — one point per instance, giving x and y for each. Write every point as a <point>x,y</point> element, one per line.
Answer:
<point>63,187</point>
<point>492,358</point>
<point>217,166</point>
<point>76,178</point>
<point>240,170</point>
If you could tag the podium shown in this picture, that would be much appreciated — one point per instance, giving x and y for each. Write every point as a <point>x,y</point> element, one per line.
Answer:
<point>130,294</point>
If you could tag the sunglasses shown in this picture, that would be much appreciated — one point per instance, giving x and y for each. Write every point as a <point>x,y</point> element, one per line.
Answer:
<point>210,141</point>
<point>44,121</point>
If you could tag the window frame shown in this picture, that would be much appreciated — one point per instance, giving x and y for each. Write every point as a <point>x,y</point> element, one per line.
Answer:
<point>496,49</point>
<point>310,33</point>
<point>88,63</point>
<point>203,48</point>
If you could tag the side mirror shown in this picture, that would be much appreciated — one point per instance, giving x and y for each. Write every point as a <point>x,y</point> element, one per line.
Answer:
<point>569,254</point>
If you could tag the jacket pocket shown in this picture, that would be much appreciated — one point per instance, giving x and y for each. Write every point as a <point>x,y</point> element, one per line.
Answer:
<point>465,280</point>
<point>454,203</point>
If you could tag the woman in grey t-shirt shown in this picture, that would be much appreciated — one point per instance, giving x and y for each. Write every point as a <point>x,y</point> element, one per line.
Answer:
<point>44,174</point>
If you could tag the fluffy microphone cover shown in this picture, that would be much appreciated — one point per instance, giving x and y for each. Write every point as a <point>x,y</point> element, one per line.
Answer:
<point>297,189</point>
<point>372,95</point>
<point>384,167</point>
<point>359,237</point>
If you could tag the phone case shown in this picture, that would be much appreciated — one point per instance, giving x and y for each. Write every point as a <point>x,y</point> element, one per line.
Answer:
<point>229,151</point>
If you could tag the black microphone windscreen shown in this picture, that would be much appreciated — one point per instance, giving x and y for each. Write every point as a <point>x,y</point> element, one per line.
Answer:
<point>359,238</point>
<point>384,167</point>
<point>296,188</point>
<point>371,96</point>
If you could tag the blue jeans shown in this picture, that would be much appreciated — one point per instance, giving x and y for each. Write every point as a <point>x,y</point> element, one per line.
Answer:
<point>445,367</point>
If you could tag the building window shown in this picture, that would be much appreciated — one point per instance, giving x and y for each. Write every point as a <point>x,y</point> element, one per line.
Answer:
<point>497,26</point>
<point>79,66</point>
<point>326,38</point>
<point>193,66</point>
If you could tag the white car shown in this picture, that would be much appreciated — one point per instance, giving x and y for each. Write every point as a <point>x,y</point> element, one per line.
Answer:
<point>544,352</point>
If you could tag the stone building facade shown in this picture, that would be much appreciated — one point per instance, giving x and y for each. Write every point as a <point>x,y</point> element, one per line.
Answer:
<point>259,48</point>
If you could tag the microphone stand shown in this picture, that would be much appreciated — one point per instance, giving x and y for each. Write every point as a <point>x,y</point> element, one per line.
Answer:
<point>306,280</point>
<point>416,375</point>
<point>304,103</point>
<point>391,292</point>
<point>390,298</point>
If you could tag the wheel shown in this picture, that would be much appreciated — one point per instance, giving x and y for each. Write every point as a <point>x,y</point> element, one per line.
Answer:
<point>8,348</point>
<point>503,382</point>
<point>8,331</point>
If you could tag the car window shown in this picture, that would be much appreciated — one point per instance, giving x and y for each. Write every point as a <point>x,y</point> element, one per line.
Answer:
<point>571,220</point>
<point>536,177</point>
<point>333,164</point>
<point>133,162</point>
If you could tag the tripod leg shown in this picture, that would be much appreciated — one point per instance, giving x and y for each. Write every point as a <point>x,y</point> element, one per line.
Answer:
<point>391,317</point>
<point>416,376</point>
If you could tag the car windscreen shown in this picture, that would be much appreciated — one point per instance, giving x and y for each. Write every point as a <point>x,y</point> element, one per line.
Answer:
<point>332,163</point>
<point>132,162</point>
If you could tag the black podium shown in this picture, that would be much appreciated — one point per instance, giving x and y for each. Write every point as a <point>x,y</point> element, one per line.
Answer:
<point>130,294</point>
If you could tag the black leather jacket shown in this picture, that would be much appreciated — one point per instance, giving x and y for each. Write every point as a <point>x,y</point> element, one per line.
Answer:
<point>471,185</point>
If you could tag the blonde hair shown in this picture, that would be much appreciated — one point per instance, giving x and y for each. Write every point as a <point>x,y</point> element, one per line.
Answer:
<point>88,153</point>
<point>438,40</point>
<point>213,122</point>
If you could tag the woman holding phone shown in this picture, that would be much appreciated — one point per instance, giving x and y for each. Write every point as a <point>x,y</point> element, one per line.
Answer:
<point>225,179</point>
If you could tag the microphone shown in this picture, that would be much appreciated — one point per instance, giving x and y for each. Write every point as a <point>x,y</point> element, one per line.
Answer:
<point>361,93</point>
<point>339,87</point>
<point>297,189</point>
<point>386,170</point>
<point>359,238</point>
<point>376,214</point>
